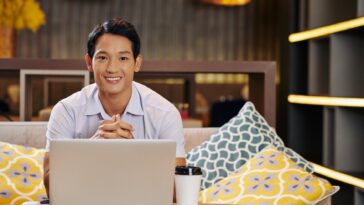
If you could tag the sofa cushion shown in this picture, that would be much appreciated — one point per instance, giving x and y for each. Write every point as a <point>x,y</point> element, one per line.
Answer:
<point>21,174</point>
<point>270,177</point>
<point>196,136</point>
<point>32,134</point>
<point>235,143</point>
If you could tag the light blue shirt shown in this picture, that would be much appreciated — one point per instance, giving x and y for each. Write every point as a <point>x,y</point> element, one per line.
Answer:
<point>151,115</point>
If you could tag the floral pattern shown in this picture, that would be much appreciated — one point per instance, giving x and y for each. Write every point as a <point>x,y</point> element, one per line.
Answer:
<point>22,174</point>
<point>5,194</point>
<point>270,177</point>
<point>263,160</point>
<point>301,182</point>
<point>263,182</point>
<point>224,190</point>
<point>5,154</point>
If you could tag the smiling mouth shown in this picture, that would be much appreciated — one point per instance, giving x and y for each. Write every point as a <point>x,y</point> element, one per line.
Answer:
<point>112,78</point>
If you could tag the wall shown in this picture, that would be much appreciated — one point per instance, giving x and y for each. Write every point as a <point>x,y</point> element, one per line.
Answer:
<point>177,29</point>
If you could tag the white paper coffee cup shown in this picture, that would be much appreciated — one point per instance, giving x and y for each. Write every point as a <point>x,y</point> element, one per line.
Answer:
<point>188,181</point>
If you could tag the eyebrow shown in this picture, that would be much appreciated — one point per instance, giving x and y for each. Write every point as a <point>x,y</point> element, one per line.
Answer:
<point>124,52</point>
<point>120,52</point>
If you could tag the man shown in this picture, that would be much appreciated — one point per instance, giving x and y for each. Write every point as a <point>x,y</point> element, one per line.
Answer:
<point>115,107</point>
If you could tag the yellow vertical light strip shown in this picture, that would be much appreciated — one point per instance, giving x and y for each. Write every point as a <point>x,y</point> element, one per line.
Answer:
<point>326,30</point>
<point>326,101</point>
<point>348,179</point>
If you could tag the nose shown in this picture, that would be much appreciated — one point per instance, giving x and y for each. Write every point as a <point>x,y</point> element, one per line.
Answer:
<point>112,66</point>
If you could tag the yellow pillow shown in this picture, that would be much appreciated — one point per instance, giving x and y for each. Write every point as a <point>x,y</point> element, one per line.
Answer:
<point>21,174</point>
<point>270,177</point>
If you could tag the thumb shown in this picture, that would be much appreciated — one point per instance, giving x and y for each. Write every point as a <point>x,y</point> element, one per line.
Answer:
<point>117,117</point>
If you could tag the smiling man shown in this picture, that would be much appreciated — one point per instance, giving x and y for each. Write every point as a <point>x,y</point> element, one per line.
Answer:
<point>115,107</point>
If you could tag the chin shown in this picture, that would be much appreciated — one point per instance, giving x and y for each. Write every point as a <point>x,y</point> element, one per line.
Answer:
<point>110,90</point>
<point>113,91</point>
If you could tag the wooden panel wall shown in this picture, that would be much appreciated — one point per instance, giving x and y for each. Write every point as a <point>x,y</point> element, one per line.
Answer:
<point>169,29</point>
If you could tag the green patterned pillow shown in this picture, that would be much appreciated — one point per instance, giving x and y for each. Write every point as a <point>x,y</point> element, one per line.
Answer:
<point>235,143</point>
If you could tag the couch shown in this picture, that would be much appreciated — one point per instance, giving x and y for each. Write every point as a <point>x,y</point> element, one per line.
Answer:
<point>33,134</point>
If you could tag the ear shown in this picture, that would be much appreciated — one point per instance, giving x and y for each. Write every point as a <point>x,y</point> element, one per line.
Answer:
<point>88,61</point>
<point>138,63</point>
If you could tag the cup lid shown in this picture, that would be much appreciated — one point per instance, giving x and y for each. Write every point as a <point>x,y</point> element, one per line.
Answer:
<point>188,170</point>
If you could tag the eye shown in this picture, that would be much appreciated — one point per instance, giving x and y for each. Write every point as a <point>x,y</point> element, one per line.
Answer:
<point>124,58</point>
<point>101,58</point>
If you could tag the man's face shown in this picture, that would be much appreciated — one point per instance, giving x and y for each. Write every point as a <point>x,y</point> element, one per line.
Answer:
<point>113,64</point>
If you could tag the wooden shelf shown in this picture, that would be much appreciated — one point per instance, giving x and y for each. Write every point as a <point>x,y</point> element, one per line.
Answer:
<point>325,88</point>
<point>261,75</point>
<point>326,101</point>
<point>326,30</point>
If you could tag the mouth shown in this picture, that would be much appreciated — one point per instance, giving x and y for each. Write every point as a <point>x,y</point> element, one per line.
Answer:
<point>112,79</point>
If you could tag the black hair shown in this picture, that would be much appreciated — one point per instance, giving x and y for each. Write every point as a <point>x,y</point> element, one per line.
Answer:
<point>116,26</point>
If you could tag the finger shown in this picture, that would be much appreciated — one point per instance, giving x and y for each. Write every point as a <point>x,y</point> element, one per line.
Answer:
<point>119,134</point>
<point>124,134</point>
<point>109,127</point>
<point>106,122</point>
<point>109,135</point>
<point>113,118</point>
<point>125,126</point>
<point>117,118</point>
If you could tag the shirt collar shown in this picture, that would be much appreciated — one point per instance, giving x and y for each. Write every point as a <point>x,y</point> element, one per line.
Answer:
<point>134,106</point>
<point>94,105</point>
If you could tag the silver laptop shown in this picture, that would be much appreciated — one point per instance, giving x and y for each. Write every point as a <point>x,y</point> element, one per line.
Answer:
<point>111,172</point>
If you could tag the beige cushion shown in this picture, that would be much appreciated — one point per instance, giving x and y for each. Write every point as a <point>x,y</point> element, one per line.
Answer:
<point>31,134</point>
<point>195,136</point>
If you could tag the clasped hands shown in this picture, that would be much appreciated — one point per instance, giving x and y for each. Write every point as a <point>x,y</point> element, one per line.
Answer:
<point>114,129</point>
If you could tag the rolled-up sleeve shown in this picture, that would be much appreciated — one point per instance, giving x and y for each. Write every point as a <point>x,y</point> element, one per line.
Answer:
<point>172,128</point>
<point>61,124</point>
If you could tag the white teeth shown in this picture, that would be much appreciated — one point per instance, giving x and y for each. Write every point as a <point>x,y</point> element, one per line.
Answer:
<point>112,78</point>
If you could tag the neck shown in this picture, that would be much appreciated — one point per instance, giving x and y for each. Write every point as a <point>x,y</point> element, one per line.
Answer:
<point>115,103</point>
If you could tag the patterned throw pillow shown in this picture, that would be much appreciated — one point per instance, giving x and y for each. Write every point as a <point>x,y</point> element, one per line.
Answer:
<point>235,143</point>
<point>270,177</point>
<point>21,174</point>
